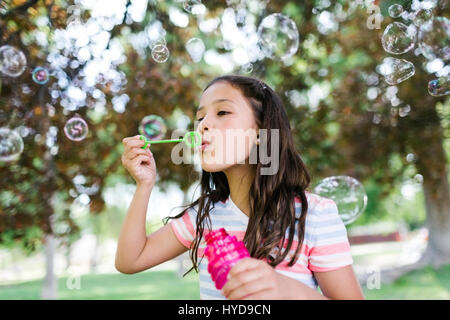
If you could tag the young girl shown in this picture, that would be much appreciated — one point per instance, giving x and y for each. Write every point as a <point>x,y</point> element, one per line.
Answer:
<point>296,239</point>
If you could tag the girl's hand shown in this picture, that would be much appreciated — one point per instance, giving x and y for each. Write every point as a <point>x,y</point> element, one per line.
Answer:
<point>139,163</point>
<point>255,279</point>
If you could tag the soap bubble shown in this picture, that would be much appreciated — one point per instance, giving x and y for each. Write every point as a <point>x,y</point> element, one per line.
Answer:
<point>395,10</point>
<point>40,75</point>
<point>191,5</point>
<point>160,53</point>
<point>421,16</point>
<point>76,129</point>
<point>247,67</point>
<point>439,87</point>
<point>157,41</point>
<point>434,38</point>
<point>12,61</point>
<point>152,127</point>
<point>11,144</point>
<point>278,36</point>
<point>348,194</point>
<point>398,38</point>
<point>396,70</point>
<point>195,47</point>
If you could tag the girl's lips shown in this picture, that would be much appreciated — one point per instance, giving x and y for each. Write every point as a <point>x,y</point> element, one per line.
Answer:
<point>204,146</point>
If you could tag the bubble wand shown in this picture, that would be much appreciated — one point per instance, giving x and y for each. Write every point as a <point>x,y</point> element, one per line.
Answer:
<point>194,141</point>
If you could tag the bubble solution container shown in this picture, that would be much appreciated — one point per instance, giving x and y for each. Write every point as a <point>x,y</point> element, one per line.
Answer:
<point>223,252</point>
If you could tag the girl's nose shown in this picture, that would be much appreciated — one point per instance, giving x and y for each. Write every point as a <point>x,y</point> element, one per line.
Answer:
<point>204,125</point>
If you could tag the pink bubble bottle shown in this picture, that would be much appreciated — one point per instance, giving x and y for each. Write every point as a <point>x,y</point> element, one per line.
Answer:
<point>223,252</point>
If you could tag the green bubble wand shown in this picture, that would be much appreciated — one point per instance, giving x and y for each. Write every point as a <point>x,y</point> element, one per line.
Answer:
<point>191,138</point>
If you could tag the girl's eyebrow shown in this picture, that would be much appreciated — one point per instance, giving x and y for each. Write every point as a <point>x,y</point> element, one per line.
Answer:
<point>214,102</point>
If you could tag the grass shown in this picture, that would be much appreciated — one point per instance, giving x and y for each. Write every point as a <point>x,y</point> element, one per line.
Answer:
<point>153,285</point>
<point>424,284</point>
<point>167,285</point>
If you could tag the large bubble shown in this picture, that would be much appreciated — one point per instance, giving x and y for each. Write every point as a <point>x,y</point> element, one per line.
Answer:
<point>398,38</point>
<point>396,70</point>
<point>195,47</point>
<point>160,53</point>
<point>348,194</point>
<point>11,145</point>
<point>12,61</point>
<point>434,38</point>
<point>152,127</point>
<point>439,87</point>
<point>278,36</point>
<point>76,129</point>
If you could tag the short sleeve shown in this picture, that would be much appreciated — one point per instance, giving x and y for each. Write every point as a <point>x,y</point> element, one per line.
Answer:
<point>184,227</point>
<point>330,246</point>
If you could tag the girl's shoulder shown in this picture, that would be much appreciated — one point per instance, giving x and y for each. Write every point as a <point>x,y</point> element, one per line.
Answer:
<point>317,205</point>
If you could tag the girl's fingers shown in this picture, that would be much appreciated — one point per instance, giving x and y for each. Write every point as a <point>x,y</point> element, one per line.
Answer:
<point>134,143</point>
<point>240,279</point>
<point>141,158</point>
<point>125,140</point>
<point>136,152</point>
<point>249,289</point>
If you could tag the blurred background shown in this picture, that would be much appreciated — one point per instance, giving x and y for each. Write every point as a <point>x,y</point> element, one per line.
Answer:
<point>365,85</point>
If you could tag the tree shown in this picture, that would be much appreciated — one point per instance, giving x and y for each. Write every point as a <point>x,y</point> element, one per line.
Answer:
<point>109,78</point>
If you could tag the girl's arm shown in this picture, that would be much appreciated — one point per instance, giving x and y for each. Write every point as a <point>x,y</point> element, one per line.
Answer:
<point>340,284</point>
<point>255,279</point>
<point>135,250</point>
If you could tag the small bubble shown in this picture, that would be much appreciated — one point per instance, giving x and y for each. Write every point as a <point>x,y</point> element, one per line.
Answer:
<point>153,127</point>
<point>160,53</point>
<point>40,75</point>
<point>421,16</point>
<point>190,5</point>
<point>247,68</point>
<point>76,129</point>
<point>395,10</point>
<point>439,87</point>
<point>11,144</point>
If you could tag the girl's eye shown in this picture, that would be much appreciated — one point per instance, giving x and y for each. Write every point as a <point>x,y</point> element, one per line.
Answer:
<point>222,112</point>
<point>200,119</point>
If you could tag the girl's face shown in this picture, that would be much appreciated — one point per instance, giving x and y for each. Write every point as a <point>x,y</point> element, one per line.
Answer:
<point>227,125</point>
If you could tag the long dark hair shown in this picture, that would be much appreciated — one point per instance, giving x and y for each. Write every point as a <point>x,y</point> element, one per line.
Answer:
<point>272,208</point>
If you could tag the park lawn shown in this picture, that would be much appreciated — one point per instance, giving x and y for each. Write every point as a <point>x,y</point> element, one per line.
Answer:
<point>150,285</point>
<point>424,284</point>
<point>167,285</point>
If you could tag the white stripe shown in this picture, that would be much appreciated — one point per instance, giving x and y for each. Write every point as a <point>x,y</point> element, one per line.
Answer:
<point>319,230</point>
<point>329,241</point>
<point>182,229</point>
<point>330,257</point>
<point>333,265</point>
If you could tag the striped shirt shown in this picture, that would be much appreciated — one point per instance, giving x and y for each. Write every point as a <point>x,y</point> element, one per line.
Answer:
<point>325,246</point>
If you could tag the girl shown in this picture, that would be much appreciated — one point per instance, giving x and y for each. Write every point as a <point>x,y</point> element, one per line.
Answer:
<point>296,239</point>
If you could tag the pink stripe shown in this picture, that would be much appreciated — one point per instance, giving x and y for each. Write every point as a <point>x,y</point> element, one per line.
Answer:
<point>239,234</point>
<point>188,224</point>
<point>330,249</point>
<point>185,242</point>
<point>325,269</point>
<point>298,267</point>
